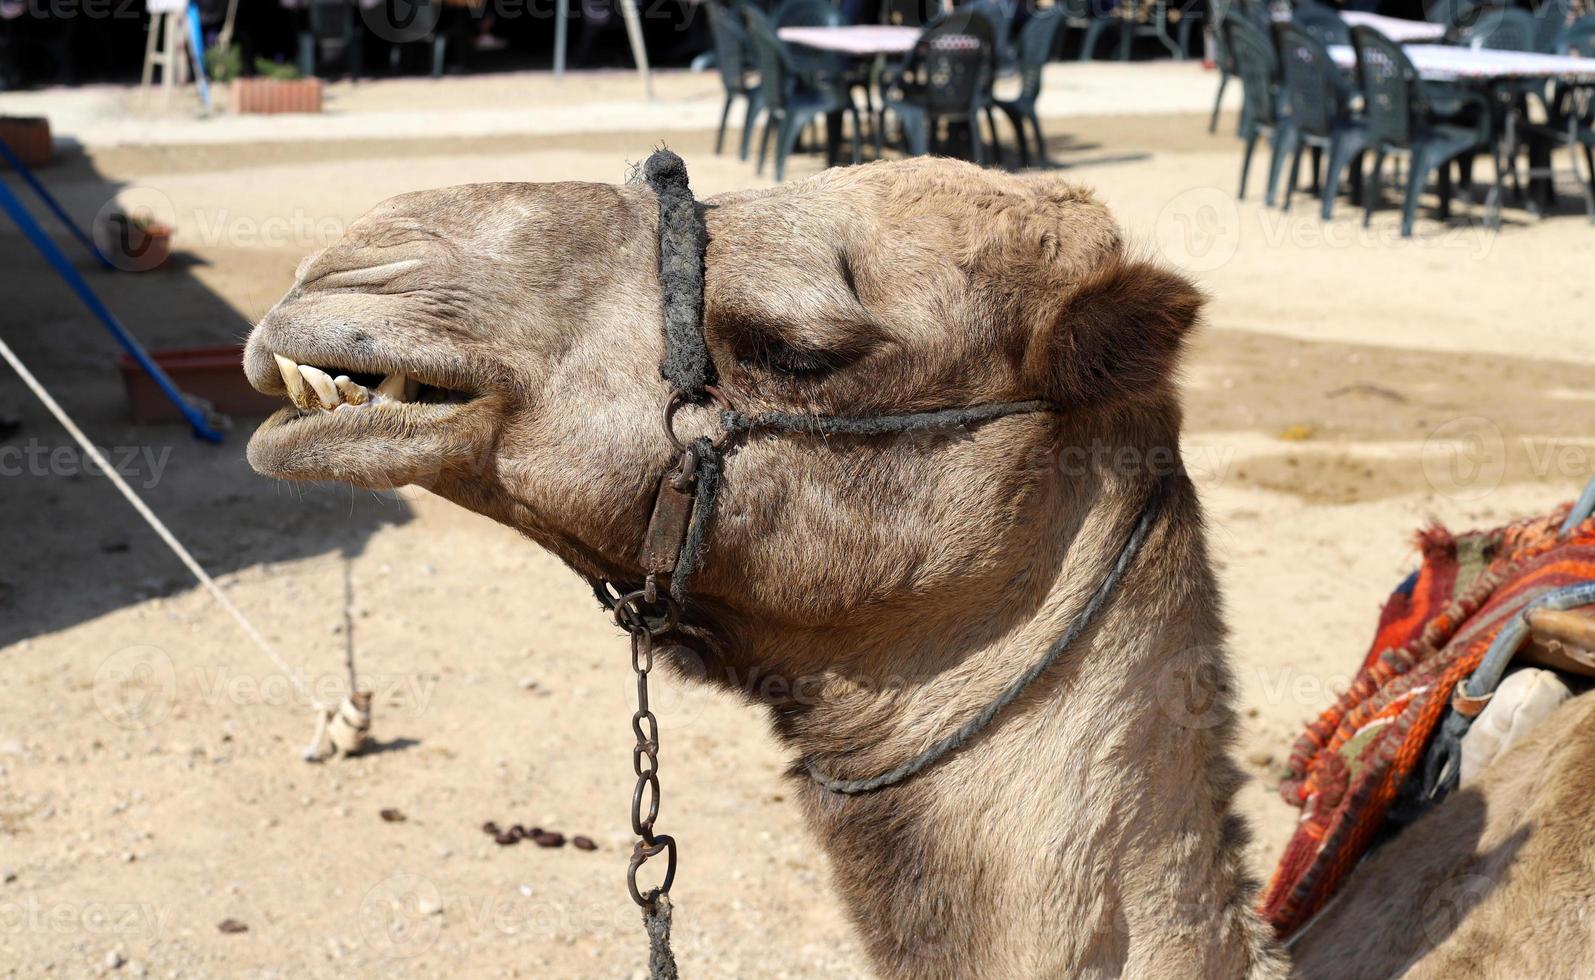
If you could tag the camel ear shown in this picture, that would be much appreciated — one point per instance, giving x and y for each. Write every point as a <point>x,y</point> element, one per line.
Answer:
<point>1119,334</point>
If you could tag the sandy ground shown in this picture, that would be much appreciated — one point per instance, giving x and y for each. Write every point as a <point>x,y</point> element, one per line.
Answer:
<point>1347,388</point>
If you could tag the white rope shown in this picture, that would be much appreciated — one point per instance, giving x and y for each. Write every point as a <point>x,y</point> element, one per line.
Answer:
<point>154,522</point>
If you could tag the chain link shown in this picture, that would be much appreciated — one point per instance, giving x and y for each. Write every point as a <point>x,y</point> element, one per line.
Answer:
<point>646,614</point>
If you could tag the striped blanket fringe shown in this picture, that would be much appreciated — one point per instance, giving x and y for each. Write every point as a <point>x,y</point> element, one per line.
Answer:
<point>1349,768</point>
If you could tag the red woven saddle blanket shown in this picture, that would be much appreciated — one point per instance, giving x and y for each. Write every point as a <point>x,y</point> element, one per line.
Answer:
<point>1345,771</point>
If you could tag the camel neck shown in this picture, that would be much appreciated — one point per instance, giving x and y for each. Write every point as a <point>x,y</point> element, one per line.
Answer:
<point>1089,829</point>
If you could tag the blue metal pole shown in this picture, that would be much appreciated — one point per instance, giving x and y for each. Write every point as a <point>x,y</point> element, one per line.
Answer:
<point>74,279</point>
<point>196,38</point>
<point>22,169</point>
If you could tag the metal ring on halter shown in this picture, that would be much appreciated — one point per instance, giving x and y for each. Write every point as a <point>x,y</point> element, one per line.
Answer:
<point>632,613</point>
<point>640,854</point>
<point>678,398</point>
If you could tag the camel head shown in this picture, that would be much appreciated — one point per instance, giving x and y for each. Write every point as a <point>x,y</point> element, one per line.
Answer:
<point>500,344</point>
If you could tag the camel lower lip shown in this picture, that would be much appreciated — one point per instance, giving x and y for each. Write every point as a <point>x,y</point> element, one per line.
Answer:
<point>391,418</point>
<point>381,445</point>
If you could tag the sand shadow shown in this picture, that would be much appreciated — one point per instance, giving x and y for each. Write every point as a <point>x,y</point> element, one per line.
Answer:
<point>391,745</point>
<point>72,548</point>
<point>1412,894</point>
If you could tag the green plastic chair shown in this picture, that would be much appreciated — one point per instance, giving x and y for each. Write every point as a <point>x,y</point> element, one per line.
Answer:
<point>1322,22</point>
<point>732,53</point>
<point>1551,18</point>
<point>1321,112</point>
<point>1258,67</point>
<point>1504,29</point>
<point>1458,16</point>
<point>1036,43</point>
<point>947,78</point>
<point>1570,119</point>
<point>1400,120</point>
<point>791,101</point>
<point>1088,17</point>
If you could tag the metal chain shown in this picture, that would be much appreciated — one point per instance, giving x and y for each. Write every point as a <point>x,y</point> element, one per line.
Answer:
<point>646,614</point>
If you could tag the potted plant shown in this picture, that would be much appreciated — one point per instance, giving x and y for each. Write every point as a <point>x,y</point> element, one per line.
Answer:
<point>135,242</point>
<point>29,138</point>
<point>276,88</point>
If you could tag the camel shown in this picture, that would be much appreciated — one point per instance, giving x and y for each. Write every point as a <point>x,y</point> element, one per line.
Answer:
<point>500,345</point>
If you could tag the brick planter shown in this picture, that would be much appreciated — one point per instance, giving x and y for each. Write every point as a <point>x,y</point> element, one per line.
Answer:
<point>215,374</point>
<point>29,139</point>
<point>269,96</point>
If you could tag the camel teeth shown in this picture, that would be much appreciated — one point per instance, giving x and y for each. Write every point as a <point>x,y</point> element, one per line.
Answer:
<point>412,389</point>
<point>298,392</point>
<point>392,387</point>
<point>353,394</point>
<point>325,390</point>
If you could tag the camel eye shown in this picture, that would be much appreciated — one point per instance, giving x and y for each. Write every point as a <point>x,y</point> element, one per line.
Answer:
<point>759,348</point>
<point>784,357</point>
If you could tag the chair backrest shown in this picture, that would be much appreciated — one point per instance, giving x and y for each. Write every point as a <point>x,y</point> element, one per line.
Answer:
<point>1258,67</point>
<point>1505,29</point>
<point>1459,16</point>
<point>1322,23</point>
<point>1001,14</point>
<point>1080,12</point>
<point>1311,80</point>
<point>1223,57</point>
<point>1578,38</point>
<point>731,46</point>
<point>1037,40</point>
<point>953,60</point>
<point>1255,11</point>
<point>808,13</point>
<point>1389,86</point>
<point>1551,17</point>
<point>770,53</point>
<point>331,19</point>
<point>910,13</point>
